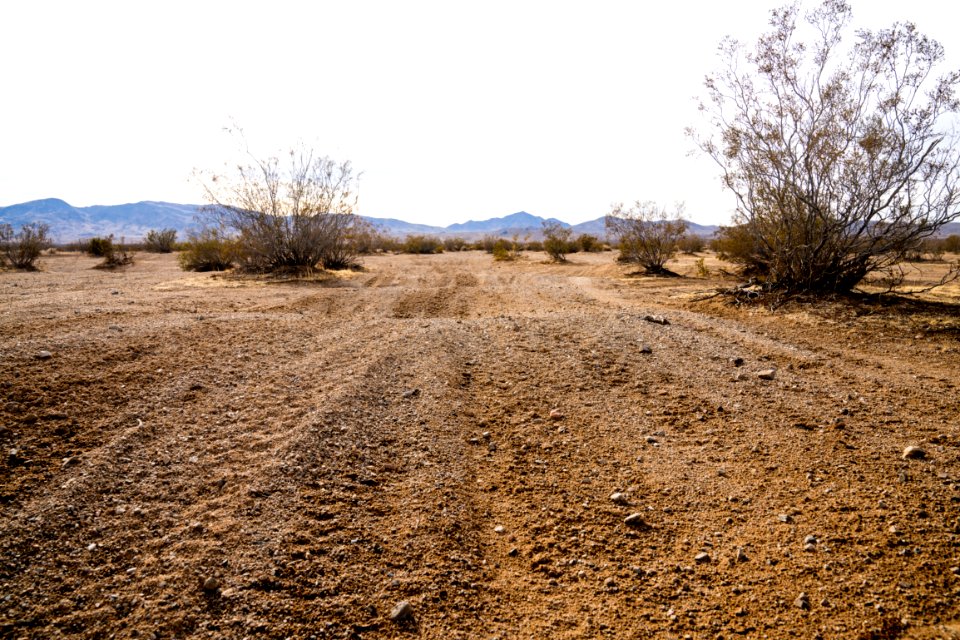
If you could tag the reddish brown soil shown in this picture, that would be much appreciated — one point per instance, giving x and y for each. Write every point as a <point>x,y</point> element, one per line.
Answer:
<point>324,450</point>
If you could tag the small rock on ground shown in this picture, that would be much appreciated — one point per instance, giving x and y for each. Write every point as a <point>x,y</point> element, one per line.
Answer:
<point>44,355</point>
<point>636,521</point>
<point>767,374</point>
<point>914,453</point>
<point>402,611</point>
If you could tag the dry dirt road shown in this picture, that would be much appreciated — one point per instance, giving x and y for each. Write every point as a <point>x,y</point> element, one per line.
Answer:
<point>207,457</point>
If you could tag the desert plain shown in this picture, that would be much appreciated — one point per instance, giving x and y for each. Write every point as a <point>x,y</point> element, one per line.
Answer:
<point>449,447</point>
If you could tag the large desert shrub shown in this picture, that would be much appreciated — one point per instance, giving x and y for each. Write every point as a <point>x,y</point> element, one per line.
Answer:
<point>22,248</point>
<point>290,215</point>
<point>164,241</point>
<point>646,234</point>
<point>842,155</point>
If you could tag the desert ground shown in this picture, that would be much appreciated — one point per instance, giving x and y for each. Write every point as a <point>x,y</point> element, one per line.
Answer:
<point>514,450</point>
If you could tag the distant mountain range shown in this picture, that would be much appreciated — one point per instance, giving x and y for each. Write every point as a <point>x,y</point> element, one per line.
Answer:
<point>128,221</point>
<point>133,221</point>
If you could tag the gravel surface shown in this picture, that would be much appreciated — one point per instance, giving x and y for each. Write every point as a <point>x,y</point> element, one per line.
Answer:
<point>448,447</point>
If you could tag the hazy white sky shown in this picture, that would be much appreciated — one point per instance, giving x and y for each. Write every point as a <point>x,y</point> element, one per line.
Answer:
<point>452,110</point>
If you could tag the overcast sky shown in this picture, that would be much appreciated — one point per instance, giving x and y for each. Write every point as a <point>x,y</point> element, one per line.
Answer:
<point>452,110</point>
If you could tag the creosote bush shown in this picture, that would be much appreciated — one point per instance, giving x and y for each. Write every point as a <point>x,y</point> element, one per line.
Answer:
<point>21,249</point>
<point>588,243</point>
<point>646,234</point>
<point>286,216</point>
<point>842,155</point>
<point>164,241</point>
<point>99,247</point>
<point>556,240</point>
<point>504,250</point>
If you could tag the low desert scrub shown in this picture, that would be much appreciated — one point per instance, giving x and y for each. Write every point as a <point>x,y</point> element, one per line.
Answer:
<point>588,243</point>
<point>21,249</point>
<point>691,244</point>
<point>506,250</point>
<point>164,241</point>
<point>701,266</point>
<point>556,240</point>
<point>114,254</point>
<point>208,250</point>
<point>422,244</point>
<point>454,244</point>
<point>366,239</point>
<point>98,247</point>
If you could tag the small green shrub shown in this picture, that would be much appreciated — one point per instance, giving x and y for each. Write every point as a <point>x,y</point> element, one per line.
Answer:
<point>208,250</point>
<point>99,247</point>
<point>160,241</point>
<point>504,250</point>
<point>702,270</point>
<point>556,240</point>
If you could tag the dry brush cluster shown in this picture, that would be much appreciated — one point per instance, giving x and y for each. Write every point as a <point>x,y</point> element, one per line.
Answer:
<point>20,249</point>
